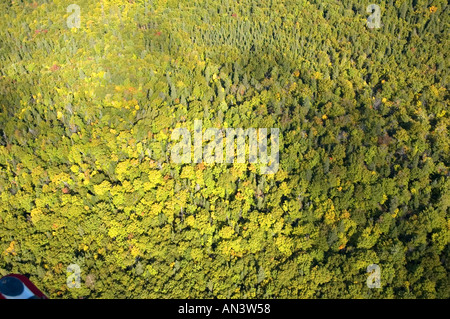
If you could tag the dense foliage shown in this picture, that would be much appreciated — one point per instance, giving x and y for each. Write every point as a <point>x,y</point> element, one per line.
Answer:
<point>86,117</point>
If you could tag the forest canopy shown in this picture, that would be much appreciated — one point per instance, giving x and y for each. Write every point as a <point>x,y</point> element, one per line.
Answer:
<point>88,106</point>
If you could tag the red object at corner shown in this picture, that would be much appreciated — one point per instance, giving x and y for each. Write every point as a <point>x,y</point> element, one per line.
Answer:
<point>11,284</point>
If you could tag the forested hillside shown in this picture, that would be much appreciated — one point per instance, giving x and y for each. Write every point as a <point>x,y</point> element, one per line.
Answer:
<point>86,178</point>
